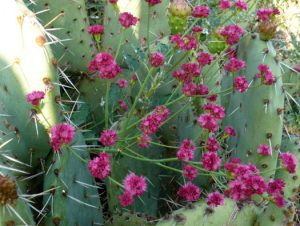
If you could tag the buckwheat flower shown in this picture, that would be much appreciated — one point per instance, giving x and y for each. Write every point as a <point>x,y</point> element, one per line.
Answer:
<point>108,138</point>
<point>264,14</point>
<point>201,11</point>
<point>62,133</point>
<point>126,199</point>
<point>289,161</point>
<point>212,98</point>
<point>189,89</point>
<point>127,20</point>
<point>234,65</point>
<point>275,186</point>
<point>265,74</point>
<point>209,122</point>
<point>186,150</point>
<point>162,111</point>
<point>264,150</point>
<point>197,29</point>
<point>35,97</point>
<point>232,33</point>
<point>96,29</point>
<point>212,144</point>
<point>241,5</point>
<point>123,105</point>
<point>240,84</point>
<point>279,201</point>
<point>134,184</point>
<point>153,2</point>
<point>204,58</point>
<point>191,69</point>
<point>113,1</point>
<point>100,167</point>
<point>216,110</point>
<point>202,90</point>
<point>211,161</point>
<point>215,199</point>
<point>190,172</point>
<point>189,192</point>
<point>230,131</point>
<point>122,83</point>
<point>144,141</point>
<point>224,4</point>
<point>187,43</point>
<point>157,59</point>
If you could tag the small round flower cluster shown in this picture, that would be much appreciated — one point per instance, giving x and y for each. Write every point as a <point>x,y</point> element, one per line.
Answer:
<point>108,138</point>
<point>189,192</point>
<point>134,186</point>
<point>186,150</point>
<point>123,105</point>
<point>229,131</point>
<point>201,11</point>
<point>122,83</point>
<point>234,65</point>
<point>106,65</point>
<point>100,167</point>
<point>215,199</point>
<point>35,97</point>
<point>265,74</point>
<point>190,172</point>
<point>204,58</point>
<point>275,190</point>
<point>96,29</point>
<point>211,161</point>
<point>113,1</point>
<point>289,161</point>
<point>232,33</point>
<point>187,43</point>
<point>241,5</point>
<point>264,150</point>
<point>157,59</point>
<point>153,2</point>
<point>240,84</point>
<point>187,72</point>
<point>62,133</point>
<point>151,123</point>
<point>209,120</point>
<point>224,4</point>
<point>265,14</point>
<point>127,20</point>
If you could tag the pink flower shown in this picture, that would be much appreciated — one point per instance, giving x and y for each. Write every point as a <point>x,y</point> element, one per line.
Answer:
<point>190,192</point>
<point>113,1</point>
<point>100,167</point>
<point>289,161</point>
<point>212,98</point>
<point>214,109</point>
<point>232,33</point>
<point>211,161</point>
<point>187,43</point>
<point>230,131</point>
<point>265,74</point>
<point>153,2</point>
<point>204,58</point>
<point>106,65</point>
<point>143,141</point>
<point>186,150</point>
<point>191,69</point>
<point>264,14</point>
<point>224,4</point>
<point>123,105</point>
<point>241,5</point>
<point>108,138</point>
<point>212,144</point>
<point>151,123</point>
<point>189,89</point>
<point>209,122</point>
<point>190,172</point>
<point>201,11</point>
<point>264,150</point>
<point>62,133</point>
<point>157,59</point>
<point>127,20</point>
<point>35,97</point>
<point>234,65</point>
<point>135,185</point>
<point>279,201</point>
<point>126,199</point>
<point>122,83</point>
<point>202,90</point>
<point>240,84</point>
<point>197,29</point>
<point>215,199</point>
<point>162,111</point>
<point>275,186</point>
<point>96,29</point>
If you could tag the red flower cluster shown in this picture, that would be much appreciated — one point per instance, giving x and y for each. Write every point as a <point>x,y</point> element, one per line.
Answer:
<point>108,138</point>
<point>62,133</point>
<point>186,150</point>
<point>127,20</point>
<point>265,74</point>
<point>100,167</point>
<point>187,43</point>
<point>232,33</point>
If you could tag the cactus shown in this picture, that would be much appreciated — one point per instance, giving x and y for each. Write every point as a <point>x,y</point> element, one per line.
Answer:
<point>73,46</point>
<point>135,219</point>
<point>257,114</point>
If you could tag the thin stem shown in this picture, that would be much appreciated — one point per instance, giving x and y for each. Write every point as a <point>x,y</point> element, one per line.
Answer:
<point>116,182</point>
<point>148,29</point>
<point>106,102</point>
<point>120,42</point>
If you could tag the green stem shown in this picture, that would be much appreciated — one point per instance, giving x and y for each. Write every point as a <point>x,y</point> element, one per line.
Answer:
<point>106,103</point>
<point>120,42</point>
<point>148,29</point>
<point>115,182</point>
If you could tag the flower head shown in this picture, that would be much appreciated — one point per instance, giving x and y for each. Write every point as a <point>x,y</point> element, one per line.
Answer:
<point>186,150</point>
<point>209,122</point>
<point>134,184</point>
<point>127,20</point>
<point>100,167</point>
<point>211,161</point>
<point>241,5</point>
<point>215,199</point>
<point>190,192</point>
<point>264,150</point>
<point>153,2</point>
<point>108,138</point>
<point>62,133</point>
<point>204,58</point>
<point>232,33</point>
<point>157,59</point>
<point>234,65</point>
<point>224,4</point>
<point>35,97</point>
<point>289,161</point>
<point>201,11</point>
<point>190,172</point>
<point>126,199</point>
<point>96,29</point>
<point>144,140</point>
<point>240,84</point>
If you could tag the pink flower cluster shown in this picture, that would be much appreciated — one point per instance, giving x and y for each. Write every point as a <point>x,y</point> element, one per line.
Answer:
<point>209,120</point>
<point>275,190</point>
<point>289,161</point>
<point>265,74</point>
<point>123,105</point>
<point>232,33</point>
<point>187,43</point>
<point>153,2</point>
<point>187,72</point>
<point>212,144</point>
<point>240,84</point>
<point>230,131</point>
<point>35,97</point>
<point>134,186</point>
<point>62,133</point>
<point>106,65</point>
<point>122,83</point>
<point>157,59</point>
<point>241,5</point>
<point>211,161</point>
<point>204,58</point>
<point>264,150</point>
<point>201,11</point>
<point>144,141</point>
<point>189,192</point>
<point>113,1</point>
<point>215,199</point>
<point>127,20</point>
<point>265,14</point>
<point>224,4</point>
<point>234,65</point>
<point>96,29</point>
<point>108,138</point>
<point>100,167</point>
<point>151,123</point>
<point>190,172</point>
<point>186,150</point>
